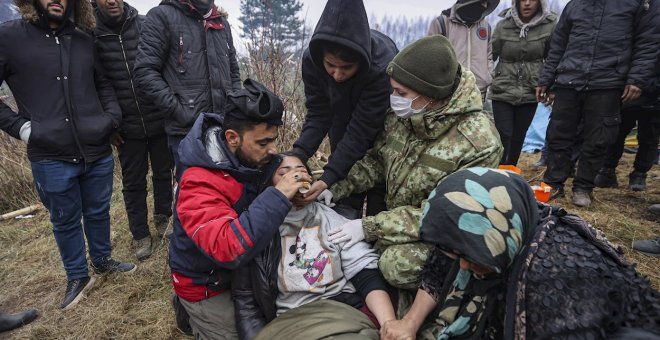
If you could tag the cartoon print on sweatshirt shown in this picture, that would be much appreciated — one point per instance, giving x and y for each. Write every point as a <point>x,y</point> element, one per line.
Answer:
<point>306,263</point>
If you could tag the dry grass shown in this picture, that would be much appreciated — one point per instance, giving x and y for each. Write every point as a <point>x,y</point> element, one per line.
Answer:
<point>137,306</point>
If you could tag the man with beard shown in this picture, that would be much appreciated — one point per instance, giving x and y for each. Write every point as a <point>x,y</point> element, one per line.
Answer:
<point>67,111</point>
<point>226,212</point>
<point>466,27</point>
<point>141,138</point>
<point>186,63</point>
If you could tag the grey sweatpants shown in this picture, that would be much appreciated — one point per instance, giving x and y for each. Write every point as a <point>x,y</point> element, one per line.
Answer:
<point>212,318</point>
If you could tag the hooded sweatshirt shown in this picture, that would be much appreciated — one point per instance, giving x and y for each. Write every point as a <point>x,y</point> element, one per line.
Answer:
<point>412,155</point>
<point>521,49</point>
<point>351,113</point>
<point>60,89</point>
<point>470,37</point>
<point>311,267</point>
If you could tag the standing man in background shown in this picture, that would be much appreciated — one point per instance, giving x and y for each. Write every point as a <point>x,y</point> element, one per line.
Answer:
<point>468,30</point>
<point>141,137</point>
<point>67,111</point>
<point>601,54</point>
<point>186,63</point>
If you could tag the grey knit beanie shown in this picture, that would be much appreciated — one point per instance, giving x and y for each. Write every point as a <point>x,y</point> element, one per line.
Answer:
<point>428,66</point>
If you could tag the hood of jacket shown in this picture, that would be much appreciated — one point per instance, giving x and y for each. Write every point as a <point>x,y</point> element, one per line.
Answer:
<point>540,17</point>
<point>188,8</point>
<point>107,25</point>
<point>82,15</point>
<point>453,15</point>
<point>204,146</point>
<point>466,99</point>
<point>343,22</point>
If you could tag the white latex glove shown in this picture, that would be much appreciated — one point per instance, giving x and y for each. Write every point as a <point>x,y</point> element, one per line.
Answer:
<point>325,197</point>
<point>350,232</point>
<point>25,131</point>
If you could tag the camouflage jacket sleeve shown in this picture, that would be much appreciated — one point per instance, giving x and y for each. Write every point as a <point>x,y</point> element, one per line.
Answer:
<point>364,174</point>
<point>402,224</point>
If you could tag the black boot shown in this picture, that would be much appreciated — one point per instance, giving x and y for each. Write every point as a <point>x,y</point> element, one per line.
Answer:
<point>637,181</point>
<point>541,162</point>
<point>606,178</point>
<point>12,321</point>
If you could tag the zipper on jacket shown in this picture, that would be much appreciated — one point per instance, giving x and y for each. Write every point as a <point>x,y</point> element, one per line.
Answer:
<point>208,69</point>
<point>69,108</point>
<point>130,77</point>
<point>469,46</point>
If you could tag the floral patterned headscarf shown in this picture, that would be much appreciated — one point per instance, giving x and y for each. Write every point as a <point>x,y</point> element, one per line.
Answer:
<point>486,216</point>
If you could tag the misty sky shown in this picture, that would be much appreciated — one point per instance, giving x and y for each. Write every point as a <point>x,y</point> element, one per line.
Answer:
<point>312,10</point>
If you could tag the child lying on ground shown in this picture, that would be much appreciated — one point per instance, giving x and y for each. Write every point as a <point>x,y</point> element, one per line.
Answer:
<point>306,267</point>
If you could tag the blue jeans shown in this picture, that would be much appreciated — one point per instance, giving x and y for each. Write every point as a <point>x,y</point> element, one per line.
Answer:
<point>78,199</point>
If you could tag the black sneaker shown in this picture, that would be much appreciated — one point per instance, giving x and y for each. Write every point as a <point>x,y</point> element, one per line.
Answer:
<point>637,181</point>
<point>181,316</point>
<point>109,265</point>
<point>75,291</point>
<point>606,178</point>
<point>541,162</point>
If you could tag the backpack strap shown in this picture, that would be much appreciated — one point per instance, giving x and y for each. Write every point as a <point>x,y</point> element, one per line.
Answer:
<point>443,24</point>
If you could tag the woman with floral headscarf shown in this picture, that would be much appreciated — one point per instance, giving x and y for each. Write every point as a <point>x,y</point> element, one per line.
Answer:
<point>504,267</point>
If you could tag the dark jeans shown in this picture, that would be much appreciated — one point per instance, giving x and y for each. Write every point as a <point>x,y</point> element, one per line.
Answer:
<point>512,122</point>
<point>135,156</point>
<point>75,193</point>
<point>173,144</point>
<point>600,112</point>
<point>648,131</point>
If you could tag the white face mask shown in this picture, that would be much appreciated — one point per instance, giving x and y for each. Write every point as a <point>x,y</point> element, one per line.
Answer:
<point>402,106</point>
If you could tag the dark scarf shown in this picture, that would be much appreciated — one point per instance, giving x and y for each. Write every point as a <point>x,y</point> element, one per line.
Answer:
<point>487,216</point>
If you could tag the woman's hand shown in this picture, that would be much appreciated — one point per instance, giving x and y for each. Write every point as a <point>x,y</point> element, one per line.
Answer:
<point>314,191</point>
<point>403,329</point>
<point>350,232</point>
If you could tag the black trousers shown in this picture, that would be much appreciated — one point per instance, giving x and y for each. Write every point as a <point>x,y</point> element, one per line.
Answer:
<point>135,156</point>
<point>512,122</point>
<point>600,112</point>
<point>648,133</point>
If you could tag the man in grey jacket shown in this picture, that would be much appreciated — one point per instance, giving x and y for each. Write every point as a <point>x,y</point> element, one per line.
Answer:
<point>468,30</point>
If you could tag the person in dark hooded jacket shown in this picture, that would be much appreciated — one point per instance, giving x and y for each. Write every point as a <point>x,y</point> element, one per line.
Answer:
<point>67,111</point>
<point>185,64</point>
<point>226,212</point>
<point>347,94</point>
<point>141,137</point>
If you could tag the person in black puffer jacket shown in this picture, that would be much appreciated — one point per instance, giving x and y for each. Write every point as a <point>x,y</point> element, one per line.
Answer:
<point>601,54</point>
<point>185,64</point>
<point>141,136</point>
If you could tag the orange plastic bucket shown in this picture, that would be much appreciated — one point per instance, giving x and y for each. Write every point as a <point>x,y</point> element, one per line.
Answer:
<point>511,168</point>
<point>542,192</point>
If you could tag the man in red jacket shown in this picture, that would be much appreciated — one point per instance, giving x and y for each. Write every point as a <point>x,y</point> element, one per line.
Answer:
<point>226,211</point>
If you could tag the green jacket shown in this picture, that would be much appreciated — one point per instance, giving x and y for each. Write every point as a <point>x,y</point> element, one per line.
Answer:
<point>413,155</point>
<point>520,56</point>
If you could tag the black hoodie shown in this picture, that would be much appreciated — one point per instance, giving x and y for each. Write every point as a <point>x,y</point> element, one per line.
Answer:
<point>351,113</point>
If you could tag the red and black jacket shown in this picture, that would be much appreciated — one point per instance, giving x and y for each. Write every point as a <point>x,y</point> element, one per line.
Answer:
<point>225,213</point>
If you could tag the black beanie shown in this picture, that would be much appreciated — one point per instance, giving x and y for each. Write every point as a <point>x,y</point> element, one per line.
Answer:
<point>254,102</point>
<point>428,66</point>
